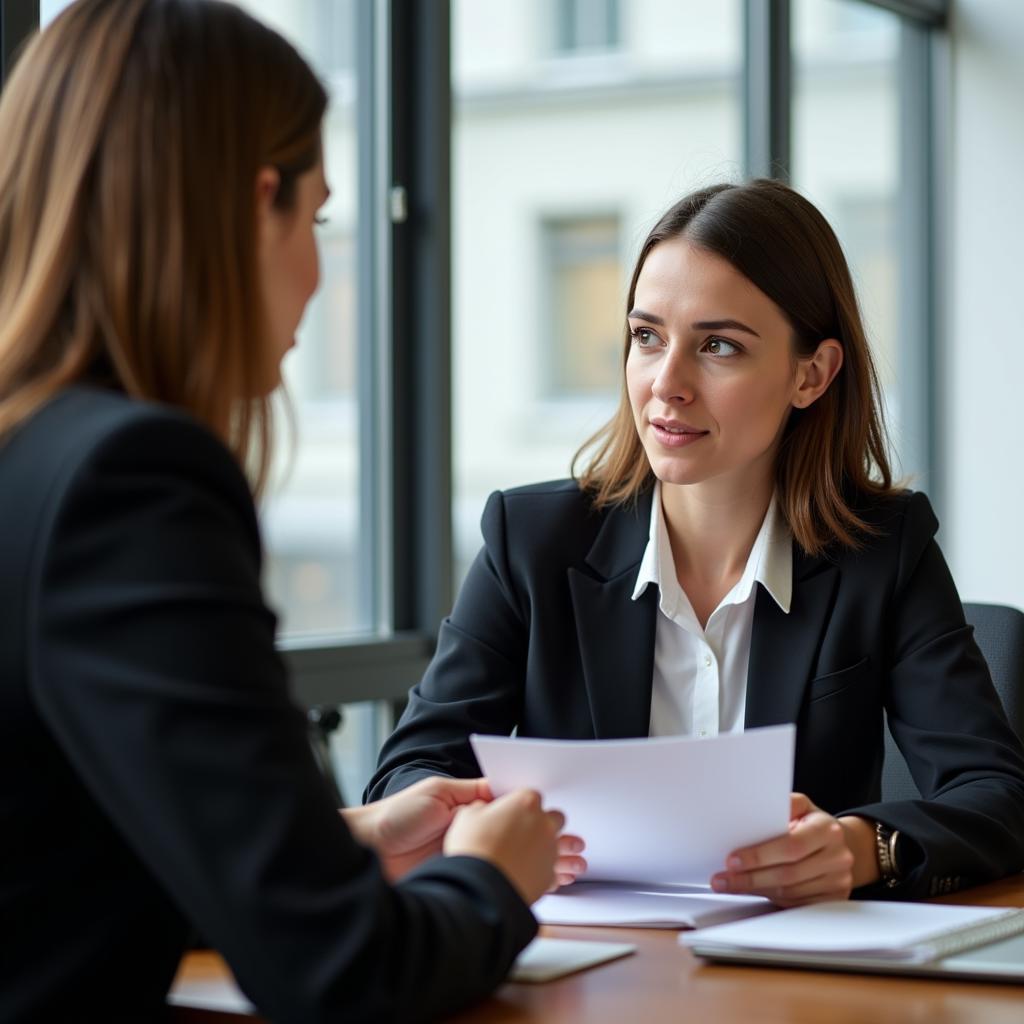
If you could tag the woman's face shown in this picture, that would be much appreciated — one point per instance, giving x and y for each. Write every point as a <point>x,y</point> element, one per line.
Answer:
<point>711,372</point>
<point>289,262</point>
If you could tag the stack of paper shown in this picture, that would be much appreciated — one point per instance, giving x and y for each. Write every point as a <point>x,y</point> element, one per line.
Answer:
<point>858,931</point>
<point>603,904</point>
<point>659,817</point>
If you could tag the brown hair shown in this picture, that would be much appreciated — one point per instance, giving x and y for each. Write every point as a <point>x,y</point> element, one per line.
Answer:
<point>133,134</point>
<point>832,452</point>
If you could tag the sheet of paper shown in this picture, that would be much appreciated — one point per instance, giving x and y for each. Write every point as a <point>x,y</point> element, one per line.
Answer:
<point>221,994</point>
<point>547,959</point>
<point>864,928</point>
<point>656,811</point>
<point>610,904</point>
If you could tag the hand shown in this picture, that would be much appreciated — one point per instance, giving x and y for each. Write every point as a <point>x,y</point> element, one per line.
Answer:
<point>408,827</point>
<point>812,862</point>
<point>515,834</point>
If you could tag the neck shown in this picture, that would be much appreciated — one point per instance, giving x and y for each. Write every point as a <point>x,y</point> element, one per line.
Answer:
<point>712,528</point>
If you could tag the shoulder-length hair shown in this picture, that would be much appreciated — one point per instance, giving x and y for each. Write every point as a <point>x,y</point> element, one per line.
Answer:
<point>133,134</point>
<point>834,452</point>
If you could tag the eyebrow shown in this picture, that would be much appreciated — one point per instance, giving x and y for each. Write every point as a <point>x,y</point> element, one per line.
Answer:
<point>700,325</point>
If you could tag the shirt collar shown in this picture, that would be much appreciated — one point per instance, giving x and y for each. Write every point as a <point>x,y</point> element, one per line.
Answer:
<point>770,562</point>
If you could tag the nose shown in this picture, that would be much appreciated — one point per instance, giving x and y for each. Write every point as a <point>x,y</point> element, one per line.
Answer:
<point>674,380</point>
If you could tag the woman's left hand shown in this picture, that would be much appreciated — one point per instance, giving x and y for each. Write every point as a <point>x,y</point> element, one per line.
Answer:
<point>812,862</point>
<point>407,827</point>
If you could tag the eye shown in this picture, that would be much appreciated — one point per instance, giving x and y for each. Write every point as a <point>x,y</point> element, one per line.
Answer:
<point>320,220</point>
<point>644,337</point>
<point>721,347</point>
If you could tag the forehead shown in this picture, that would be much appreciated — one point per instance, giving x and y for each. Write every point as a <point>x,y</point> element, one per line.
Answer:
<point>676,270</point>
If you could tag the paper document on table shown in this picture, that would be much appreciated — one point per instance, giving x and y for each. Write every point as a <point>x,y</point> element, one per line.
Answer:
<point>663,811</point>
<point>615,904</point>
<point>860,931</point>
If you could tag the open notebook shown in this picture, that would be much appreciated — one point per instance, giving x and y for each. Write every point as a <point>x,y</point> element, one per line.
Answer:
<point>876,937</point>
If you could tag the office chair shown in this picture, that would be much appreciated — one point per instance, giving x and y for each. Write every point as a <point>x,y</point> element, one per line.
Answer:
<point>999,632</point>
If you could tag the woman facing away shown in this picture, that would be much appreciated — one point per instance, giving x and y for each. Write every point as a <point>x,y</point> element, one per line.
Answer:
<point>734,554</point>
<point>160,177</point>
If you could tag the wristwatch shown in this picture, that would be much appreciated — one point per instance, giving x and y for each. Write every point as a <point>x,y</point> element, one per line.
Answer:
<point>886,844</point>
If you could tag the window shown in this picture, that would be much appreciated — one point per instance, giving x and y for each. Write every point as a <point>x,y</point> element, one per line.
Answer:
<point>586,25</point>
<point>581,331</point>
<point>558,168</point>
<point>846,156</point>
<point>592,154</point>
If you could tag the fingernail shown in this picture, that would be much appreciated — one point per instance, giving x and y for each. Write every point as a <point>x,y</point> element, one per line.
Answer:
<point>718,883</point>
<point>735,863</point>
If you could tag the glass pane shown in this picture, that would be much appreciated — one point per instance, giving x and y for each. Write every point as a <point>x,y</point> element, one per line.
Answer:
<point>846,154</point>
<point>310,516</point>
<point>576,123</point>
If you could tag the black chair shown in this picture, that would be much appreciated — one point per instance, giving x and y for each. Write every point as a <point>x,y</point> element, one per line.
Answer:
<point>999,632</point>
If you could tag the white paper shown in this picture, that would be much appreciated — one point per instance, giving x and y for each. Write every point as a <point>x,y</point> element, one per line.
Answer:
<point>878,929</point>
<point>547,959</point>
<point>617,905</point>
<point>663,811</point>
<point>221,994</point>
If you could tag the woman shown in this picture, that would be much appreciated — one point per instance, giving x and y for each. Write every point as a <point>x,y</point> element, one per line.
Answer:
<point>735,555</point>
<point>159,182</point>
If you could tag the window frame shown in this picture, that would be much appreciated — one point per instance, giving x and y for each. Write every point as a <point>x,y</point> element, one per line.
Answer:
<point>404,282</point>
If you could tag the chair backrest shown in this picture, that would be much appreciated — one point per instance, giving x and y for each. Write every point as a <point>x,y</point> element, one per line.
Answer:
<point>999,632</point>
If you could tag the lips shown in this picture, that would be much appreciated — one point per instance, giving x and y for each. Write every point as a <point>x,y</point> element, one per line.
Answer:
<point>675,426</point>
<point>675,433</point>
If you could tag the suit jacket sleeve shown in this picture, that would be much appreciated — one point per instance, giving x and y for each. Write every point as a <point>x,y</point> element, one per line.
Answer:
<point>947,720</point>
<point>474,682</point>
<point>154,665</point>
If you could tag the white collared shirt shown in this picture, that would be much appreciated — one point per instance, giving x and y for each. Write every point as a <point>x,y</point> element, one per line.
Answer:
<point>700,675</point>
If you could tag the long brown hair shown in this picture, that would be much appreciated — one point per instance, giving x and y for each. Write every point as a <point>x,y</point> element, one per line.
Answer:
<point>832,453</point>
<point>133,134</point>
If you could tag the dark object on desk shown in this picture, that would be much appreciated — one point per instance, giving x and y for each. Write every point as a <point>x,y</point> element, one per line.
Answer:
<point>323,720</point>
<point>999,632</point>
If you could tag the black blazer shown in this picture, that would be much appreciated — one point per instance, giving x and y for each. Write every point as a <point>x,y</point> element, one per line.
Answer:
<point>154,773</point>
<point>545,638</point>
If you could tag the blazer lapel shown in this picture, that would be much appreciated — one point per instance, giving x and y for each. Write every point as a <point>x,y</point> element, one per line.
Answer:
<point>616,633</point>
<point>784,648</point>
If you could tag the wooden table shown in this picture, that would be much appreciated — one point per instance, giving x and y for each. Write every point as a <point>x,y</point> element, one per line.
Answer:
<point>664,982</point>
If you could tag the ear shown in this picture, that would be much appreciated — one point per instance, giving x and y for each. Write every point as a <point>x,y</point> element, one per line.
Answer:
<point>816,372</point>
<point>268,181</point>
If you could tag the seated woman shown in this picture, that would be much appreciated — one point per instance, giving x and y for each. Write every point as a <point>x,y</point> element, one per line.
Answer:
<point>735,555</point>
<point>160,177</point>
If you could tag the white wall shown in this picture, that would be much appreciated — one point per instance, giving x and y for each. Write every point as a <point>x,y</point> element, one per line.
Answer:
<point>982,405</point>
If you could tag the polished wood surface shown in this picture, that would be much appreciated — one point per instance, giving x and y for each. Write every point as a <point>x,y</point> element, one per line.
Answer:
<point>664,982</point>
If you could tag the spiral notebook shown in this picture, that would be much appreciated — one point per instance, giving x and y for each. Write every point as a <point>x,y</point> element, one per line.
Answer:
<point>876,937</point>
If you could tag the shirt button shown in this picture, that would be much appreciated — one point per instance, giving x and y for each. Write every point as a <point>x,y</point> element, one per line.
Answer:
<point>707,661</point>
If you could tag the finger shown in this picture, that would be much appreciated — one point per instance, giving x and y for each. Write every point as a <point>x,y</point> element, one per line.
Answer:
<point>563,879</point>
<point>570,866</point>
<point>461,791</point>
<point>832,860</point>
<point>570,844</point>
<point>528,799</point>
<point>809,835</point>
<point>556,819</point>
<point>472,808</point>
<point>813,890</point>
<point>799,805</point>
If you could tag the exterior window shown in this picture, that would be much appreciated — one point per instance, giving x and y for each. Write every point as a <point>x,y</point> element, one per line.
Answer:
<point>583,335</point>
<point>586,25</point>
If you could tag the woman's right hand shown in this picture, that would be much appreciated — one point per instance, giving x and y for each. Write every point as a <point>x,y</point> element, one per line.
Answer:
<point>515,834</point>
